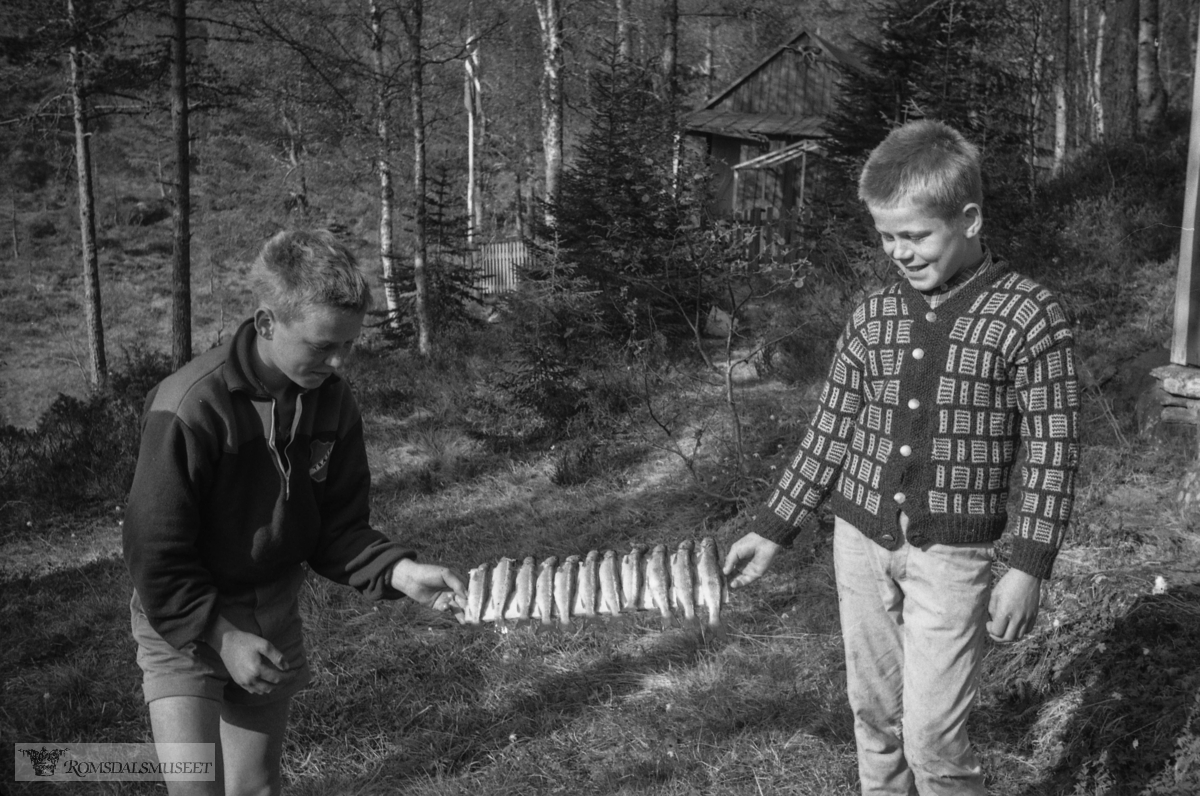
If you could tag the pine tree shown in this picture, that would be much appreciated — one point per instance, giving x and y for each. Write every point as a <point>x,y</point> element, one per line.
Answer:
<point>942,60</point>
<point>619,222</point>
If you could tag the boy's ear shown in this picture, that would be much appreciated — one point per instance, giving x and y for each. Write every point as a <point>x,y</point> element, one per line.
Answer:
<point>972,216</point>
<point>264,322</point>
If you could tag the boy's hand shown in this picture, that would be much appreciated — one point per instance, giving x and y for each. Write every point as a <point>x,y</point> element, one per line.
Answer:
<point>432,585</point>
<point>750,558</point>
<point>253,662</point>
<point>1013,608</point>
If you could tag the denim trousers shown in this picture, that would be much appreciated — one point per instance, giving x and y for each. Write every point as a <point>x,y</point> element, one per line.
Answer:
<point>913,624</point>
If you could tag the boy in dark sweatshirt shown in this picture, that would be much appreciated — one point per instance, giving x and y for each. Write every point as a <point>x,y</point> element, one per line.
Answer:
<point>938,380</point>
<point>252,470</point>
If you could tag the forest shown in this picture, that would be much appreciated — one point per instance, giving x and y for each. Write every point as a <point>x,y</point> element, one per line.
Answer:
<point>643,376</point>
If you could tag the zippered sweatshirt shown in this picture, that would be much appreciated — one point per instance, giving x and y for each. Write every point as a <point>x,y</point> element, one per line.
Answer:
<point>924,411</point>
<point>216,512</point>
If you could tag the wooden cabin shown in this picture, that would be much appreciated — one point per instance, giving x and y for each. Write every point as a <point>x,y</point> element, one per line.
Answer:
<point>763,132</point>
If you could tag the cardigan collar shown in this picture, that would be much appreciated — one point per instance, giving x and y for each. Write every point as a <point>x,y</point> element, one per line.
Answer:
<point>981,277</point>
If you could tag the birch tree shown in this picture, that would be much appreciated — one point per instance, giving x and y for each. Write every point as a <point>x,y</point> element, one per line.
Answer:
<point>413,19</point>
<point>551,25</point>
<point>383,167</point>
<point>1062,83</point>
<point>624,30</point>
<point>98,372</point>
<point>473,103</point>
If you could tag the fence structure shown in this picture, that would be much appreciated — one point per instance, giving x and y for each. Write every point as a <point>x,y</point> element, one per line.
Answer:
<point>498,264</point>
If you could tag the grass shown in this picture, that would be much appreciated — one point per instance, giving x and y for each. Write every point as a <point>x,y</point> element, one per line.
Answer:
<point>1101,699</point>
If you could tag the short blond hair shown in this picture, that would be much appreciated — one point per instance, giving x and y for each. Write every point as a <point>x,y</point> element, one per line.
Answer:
<point>298,269</point>
<point>927,162</point>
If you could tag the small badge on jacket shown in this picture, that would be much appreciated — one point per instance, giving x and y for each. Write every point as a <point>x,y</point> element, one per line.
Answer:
<point>319,458</point>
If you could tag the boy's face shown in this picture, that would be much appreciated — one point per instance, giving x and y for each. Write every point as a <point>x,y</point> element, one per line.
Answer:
<point>310,348</point>
<point>927,248</point>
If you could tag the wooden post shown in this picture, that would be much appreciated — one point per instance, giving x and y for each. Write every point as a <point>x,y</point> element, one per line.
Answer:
<point>1185,342</point>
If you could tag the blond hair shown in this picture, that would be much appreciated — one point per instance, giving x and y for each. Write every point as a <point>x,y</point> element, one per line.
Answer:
<point>298,269</point>
<point>927,162</point>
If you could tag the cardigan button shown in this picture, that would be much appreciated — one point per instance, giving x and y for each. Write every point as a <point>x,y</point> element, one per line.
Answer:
<point>914,403</point>
<point>931,316</point>
<point>905,450</point>
<point>887,537</point>
<point>900,497</point>
<point>918,353</point>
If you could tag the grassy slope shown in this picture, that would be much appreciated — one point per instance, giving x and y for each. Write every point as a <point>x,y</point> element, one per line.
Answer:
<point>1104,692</point>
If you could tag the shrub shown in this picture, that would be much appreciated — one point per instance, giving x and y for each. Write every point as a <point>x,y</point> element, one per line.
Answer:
<point>83,450</point>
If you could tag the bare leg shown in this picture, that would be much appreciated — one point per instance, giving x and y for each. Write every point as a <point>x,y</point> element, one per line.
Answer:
<point>252,740</point>
<point>188,719</point>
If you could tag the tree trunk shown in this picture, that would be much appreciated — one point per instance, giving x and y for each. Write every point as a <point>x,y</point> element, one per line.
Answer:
<point>551,24</point>
<point>1152,96</point>
<point>98,374</point>
<point>1125,69</point>
<point>473,101</point>
<point>1097,82</point>
<point>710,78</point>
<point>420,210</point>
<point>387,193</point>
<point>181,281</point>
<point>1062,79</point>
<point>670,57</point>
<point>624,31</point>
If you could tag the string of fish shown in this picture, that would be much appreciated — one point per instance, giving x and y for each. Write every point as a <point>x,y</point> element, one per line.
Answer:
<point>686,583</point>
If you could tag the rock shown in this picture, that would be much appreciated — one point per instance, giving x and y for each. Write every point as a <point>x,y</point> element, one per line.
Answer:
<point>718,323</point>
<point>145,214</point>
<point>1179,380</point>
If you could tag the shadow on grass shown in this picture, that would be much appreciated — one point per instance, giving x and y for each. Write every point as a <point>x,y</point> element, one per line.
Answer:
<point>1108,705</point>
<point>68,669</point>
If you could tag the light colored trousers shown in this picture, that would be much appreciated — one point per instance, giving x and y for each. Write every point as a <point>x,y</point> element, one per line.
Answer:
<point>913,624</point>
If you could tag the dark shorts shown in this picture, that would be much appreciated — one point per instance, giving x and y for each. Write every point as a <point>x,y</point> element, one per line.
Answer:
<point>197,669</point>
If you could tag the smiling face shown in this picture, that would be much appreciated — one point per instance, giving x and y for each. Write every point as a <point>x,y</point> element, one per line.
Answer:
<point>927,248</point>
<point>307,350</point>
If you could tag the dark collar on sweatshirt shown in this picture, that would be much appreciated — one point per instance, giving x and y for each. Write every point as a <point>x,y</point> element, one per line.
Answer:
<point>238,369</point>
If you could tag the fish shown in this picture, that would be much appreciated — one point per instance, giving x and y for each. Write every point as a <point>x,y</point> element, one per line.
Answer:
<point>631,579</point>
<point>710,580</point>
<point>520,602</point>
<point>543,594</point>
<point>586,593</point>
<point>564,589</point>
<point>476,582</point>
<point>501,585</point>
<point>610,588</point>
<point>683,588</point>
<point>658,581</point>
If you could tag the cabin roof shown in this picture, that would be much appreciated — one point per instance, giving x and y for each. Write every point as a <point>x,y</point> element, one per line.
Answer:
<point>713,119</point>
<point>837,53</point>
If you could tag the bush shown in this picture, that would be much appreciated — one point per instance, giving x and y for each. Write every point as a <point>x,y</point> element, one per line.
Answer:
<point>83,450</point>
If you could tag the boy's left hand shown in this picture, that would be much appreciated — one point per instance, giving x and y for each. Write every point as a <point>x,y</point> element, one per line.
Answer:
<point>1013,607</point>
<point>432,585</point>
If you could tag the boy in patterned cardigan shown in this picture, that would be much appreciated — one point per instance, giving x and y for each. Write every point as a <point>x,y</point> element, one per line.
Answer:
<point>938,380</point>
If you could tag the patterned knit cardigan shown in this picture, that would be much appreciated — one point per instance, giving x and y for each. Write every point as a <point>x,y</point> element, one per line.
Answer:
<point>924,411</point>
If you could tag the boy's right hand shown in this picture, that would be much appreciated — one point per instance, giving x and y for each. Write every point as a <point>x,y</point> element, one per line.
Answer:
<point>749,558</point>
<point>253,662</point>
